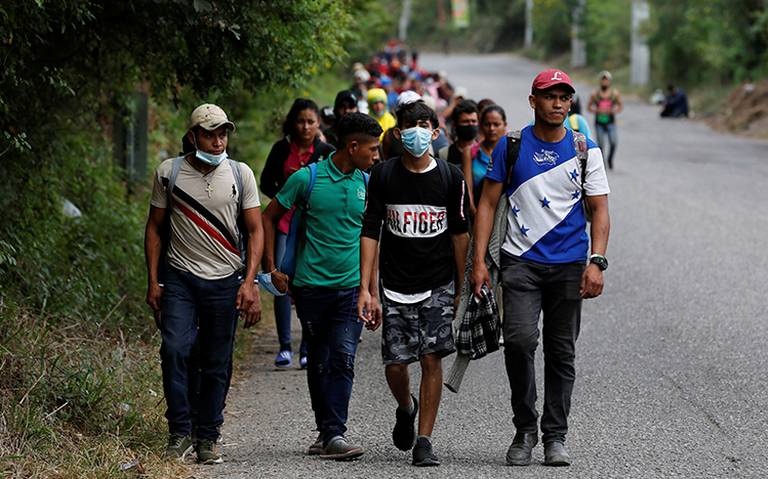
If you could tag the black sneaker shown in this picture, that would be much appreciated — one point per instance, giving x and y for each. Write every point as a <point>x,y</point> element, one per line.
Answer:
<point>404,433</point>
<point>423,456</point>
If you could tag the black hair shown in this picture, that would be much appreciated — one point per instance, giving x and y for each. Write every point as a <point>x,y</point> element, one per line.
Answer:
<point>412,113</point>
<point>299,105</point>
<point>357,124</point>
<point>186,144</point>
<point>344,98</point>
<point>576,105</point>
<point>464,106</point>
<point>492,108</point>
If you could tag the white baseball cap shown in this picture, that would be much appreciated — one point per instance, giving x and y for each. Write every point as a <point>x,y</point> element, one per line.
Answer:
<point>210,117</point>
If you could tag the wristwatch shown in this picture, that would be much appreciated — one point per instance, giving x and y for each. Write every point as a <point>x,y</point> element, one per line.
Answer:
<point>600,261</point>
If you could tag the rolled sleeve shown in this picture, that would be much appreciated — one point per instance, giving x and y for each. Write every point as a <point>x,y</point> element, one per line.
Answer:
<point>250,190</point>
<point>294,188</point>
<point>596,181</point>
<point>159,194</point>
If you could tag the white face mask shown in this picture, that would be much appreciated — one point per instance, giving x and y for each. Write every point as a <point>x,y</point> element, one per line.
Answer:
<point>210,159</point>
<point>416,140</point>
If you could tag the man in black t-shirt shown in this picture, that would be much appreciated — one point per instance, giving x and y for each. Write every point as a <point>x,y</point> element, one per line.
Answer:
<point>422,203</point>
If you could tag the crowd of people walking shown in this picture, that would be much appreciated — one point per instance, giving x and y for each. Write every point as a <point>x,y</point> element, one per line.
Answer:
<point>403,200</point>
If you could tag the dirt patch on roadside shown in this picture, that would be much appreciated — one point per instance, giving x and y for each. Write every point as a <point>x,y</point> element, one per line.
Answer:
<point>745,112</point>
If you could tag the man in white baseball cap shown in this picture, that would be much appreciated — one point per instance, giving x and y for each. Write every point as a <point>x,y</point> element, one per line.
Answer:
<point>210,117</point>
<point>201,274</point>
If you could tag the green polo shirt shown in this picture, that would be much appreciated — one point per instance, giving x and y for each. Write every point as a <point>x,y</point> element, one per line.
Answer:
<point>329,256</point>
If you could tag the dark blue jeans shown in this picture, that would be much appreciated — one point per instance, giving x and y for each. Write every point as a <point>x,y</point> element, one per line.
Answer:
<point>198,326</point>
<point>332,331</point>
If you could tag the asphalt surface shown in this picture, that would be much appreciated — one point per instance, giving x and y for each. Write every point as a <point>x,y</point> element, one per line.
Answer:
<point>671,361</point>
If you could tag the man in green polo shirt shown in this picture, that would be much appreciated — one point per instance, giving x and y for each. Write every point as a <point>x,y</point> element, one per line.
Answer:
<point>325,285</point>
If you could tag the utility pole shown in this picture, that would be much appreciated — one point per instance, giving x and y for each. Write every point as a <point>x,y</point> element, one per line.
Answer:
<point>640,53</point>
<point>578,45</point>
<point>528,24</point>
<point>405,19</point>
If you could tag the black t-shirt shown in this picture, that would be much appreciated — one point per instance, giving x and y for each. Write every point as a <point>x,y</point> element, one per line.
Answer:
<point>454,155</point>
<point>420,212</point>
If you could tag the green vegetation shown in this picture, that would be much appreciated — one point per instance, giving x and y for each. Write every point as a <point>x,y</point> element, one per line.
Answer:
<point>80,389</point>
<point>494,25</point>
<point>720,41</point>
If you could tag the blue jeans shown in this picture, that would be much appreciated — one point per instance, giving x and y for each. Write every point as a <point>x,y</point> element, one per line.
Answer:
<point>603,132</point>
<point>198,326</point>
<point>329,318</point>
<point>283,304</point>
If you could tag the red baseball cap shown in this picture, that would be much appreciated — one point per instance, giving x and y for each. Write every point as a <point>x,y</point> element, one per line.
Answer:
<point>549,78</point>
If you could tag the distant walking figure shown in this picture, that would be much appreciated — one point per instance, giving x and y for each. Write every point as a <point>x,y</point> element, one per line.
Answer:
<point>606,103</point>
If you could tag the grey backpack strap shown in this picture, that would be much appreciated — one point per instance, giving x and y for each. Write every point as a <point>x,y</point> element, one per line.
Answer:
<point>582,153</point>
<point>442,153</point>
<point>176,166</point>
<point>239,222</point>
<point>235,167</point>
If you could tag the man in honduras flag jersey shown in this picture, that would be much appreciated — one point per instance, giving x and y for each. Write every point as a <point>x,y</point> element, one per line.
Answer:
<point>544,253</point>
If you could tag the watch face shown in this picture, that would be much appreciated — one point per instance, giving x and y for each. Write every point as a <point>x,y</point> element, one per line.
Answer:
<point>601,263</point>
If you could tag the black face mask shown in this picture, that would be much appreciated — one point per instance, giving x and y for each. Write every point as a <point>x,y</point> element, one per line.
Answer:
<point>466,132</point>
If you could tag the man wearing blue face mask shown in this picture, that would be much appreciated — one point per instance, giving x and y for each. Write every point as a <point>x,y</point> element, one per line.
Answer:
<point>422,205</point>
<point>201,275</point>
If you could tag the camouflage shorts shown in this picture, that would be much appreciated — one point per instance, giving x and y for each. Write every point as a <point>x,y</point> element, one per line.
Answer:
<point>412,330</point>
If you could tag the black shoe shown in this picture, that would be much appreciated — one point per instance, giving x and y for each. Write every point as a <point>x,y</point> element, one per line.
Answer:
<point>555,454</point>
<point>404,433</point>
<point>423,456</point>
<point>519,452</point>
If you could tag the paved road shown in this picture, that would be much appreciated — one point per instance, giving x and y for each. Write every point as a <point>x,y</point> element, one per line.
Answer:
<point>671,362</point>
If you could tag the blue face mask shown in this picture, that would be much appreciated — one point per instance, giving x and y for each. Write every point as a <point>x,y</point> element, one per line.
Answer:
<point>416,140</point>
<point>265,282</point>
<point>209,159</point>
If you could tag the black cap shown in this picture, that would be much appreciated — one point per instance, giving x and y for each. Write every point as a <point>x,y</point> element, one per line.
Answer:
<point>344,96</point>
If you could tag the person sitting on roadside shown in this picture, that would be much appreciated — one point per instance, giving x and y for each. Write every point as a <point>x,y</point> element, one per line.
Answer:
<point>675,103</point>
<point>327,275</point>
<point>199,278</point>
<point>299,147</point>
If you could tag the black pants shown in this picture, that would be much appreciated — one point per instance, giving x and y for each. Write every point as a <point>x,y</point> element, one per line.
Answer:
<point>530,289</point>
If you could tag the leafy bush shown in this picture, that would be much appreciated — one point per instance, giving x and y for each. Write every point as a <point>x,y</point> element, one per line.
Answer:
<point>80,389</point>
